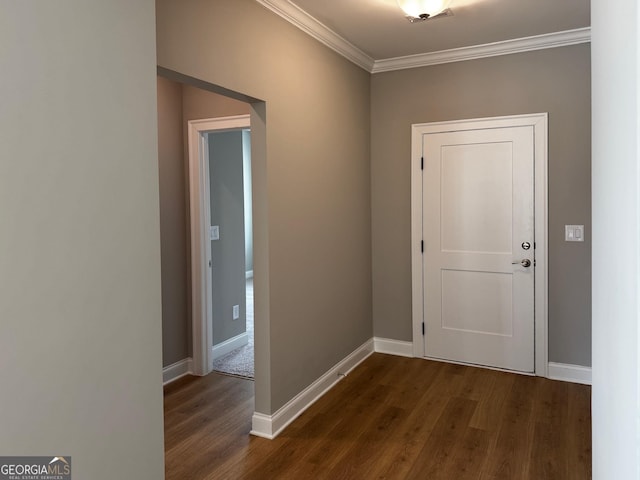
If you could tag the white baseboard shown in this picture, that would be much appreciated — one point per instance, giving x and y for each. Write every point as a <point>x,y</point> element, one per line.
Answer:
<point>393,347</point>
<point>230,345</point>
<point>177,370</point>
<point>570,373</point>
<point>269,426</point>
<point>557,371</point>
<point>262,425</point>
<point>248,274</point>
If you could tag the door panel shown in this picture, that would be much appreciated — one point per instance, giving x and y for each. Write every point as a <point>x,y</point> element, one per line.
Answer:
<point>477,211</point>
<point>468,190</point>
<point>486,306</point>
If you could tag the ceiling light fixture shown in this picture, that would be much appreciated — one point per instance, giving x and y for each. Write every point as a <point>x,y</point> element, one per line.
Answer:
<point>419,10</point>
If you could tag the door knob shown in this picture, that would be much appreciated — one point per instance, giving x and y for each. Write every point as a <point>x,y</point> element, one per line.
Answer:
<point>525,262</point>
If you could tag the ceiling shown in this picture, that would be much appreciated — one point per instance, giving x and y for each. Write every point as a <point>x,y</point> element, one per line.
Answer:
<point>379,29</point>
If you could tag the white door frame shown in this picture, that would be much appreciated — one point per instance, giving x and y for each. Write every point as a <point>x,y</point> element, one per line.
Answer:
<point>200,218</point>
<point>539,122</point>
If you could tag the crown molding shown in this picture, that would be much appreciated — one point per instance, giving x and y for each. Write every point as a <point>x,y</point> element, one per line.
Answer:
<point>318,30</point>
<point>506,47</point>
<point>308,24</point>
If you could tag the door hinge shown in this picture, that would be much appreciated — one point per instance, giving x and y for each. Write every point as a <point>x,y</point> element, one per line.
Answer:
<point>422,246</point>
<point>422,163</point>
<point>422,328</point>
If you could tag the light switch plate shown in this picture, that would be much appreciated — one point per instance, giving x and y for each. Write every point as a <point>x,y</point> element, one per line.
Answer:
<point>236,312</point>
<point>574,233</point>
<point>214,232</point>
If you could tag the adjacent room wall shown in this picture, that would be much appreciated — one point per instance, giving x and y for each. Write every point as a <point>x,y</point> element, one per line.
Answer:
<point>80,304</point>
<point>313,190</point>
<point>556,81</point>
<point>248,200</point>
<point>173,223</point>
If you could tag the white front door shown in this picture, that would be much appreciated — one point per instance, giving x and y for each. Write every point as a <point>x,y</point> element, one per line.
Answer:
<point>478,260</point>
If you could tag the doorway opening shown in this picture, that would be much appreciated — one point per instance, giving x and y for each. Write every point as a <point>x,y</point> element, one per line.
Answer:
<point>188,337</point>
<point>227,152</point>
<point>221,246</point>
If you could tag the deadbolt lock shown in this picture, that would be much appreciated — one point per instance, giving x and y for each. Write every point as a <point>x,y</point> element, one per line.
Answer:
<point>526,245</point>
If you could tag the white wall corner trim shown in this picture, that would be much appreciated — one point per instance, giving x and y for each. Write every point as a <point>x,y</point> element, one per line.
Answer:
<point>229,345</point>
<point>506,47</point>
<point>570,373</point>
<point>270,426</point>
<point>393,347</point>
<point>308,24</point>
<point>176,370</point>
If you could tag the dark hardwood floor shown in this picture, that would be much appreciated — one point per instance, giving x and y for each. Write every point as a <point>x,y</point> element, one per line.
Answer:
<point>391,418</point>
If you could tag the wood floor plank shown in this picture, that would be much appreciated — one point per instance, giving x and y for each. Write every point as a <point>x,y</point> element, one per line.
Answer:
<point>545,461</point>
<point>204,407</point>
<point>391,418</point>
<point>435,459</point>
<point>212,444</point>
<point>489,412</point>
<point>357,459</point>
<point>367,396</point>
<point>550,441</point>
<point>552,402</point>
<point>477,384</point>
<point>468,458</point>
<point>409,440</point>
<point>579,432</point>
<point>334,443</point>
<point>509,454</point>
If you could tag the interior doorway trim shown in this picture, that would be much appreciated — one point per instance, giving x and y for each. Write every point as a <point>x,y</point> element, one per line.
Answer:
<point>200,219</point>
<point>539,122</point>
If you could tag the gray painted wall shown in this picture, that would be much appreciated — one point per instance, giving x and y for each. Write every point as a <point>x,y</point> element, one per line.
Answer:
<point>556,81</point>
<point>248,200</point>
<point>227,253</point>
<point>311,182</point>
<point>80,307</point>
<point>199,103</point>
<point>173,223</point>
